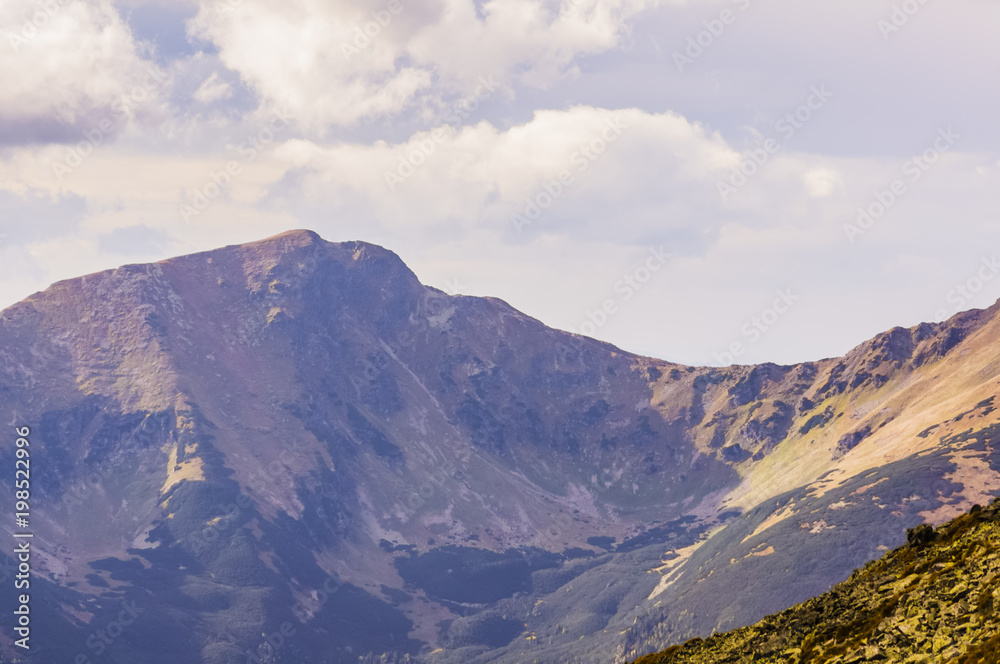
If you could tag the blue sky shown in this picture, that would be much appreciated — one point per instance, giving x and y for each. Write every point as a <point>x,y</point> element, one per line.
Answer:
<point>548,152</point>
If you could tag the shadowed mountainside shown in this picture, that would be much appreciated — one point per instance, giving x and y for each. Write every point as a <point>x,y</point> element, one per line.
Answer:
<point>298,434</point>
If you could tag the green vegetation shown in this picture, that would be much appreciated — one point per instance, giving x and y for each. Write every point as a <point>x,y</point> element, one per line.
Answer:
<point>931,601</point>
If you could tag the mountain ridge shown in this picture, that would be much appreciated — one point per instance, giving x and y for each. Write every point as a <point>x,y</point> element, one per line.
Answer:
<point>379,432</point>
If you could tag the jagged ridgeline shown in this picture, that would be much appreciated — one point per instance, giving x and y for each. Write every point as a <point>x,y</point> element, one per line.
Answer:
<point>932,600</point>
<point>293,452</point>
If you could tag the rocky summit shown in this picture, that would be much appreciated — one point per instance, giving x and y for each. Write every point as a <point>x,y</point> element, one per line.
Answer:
<point>293,451</point>
<point>932,600</point>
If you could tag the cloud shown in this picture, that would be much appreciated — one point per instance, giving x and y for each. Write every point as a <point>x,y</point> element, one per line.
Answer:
<point>212,89</point>
<point>21,209</point>
<point>65,67</point>
<point>338,62</point>
<point>161,25</point>
<point>450,215</point>
<point>820,182</point>
<point>570,173</point>
<point>136,240</point>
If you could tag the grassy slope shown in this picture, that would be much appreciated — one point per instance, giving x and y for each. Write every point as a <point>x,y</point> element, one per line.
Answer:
<point>927,601</point>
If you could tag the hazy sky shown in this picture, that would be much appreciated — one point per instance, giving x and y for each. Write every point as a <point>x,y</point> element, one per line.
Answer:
<point>681,178</point>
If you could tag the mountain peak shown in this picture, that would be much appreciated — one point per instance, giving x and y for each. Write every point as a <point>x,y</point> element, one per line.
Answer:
<point>298,259</point>
<point>293,242</point>
<point>452,463</point>
<point>305,233</point>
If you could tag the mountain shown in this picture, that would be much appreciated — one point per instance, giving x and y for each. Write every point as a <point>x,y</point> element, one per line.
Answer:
<point>293,451</point>
<point>931,600</point>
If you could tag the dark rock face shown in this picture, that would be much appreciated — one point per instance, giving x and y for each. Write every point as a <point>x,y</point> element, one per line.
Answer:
<point>849,441</point>
<point>292,451</point>
<point>769,429</point>
<point>735,454</point>
<point>817,420</point>
<point>750,387</point>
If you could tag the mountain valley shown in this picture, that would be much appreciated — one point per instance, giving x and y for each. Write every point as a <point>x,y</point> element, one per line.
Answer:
<point>293,451</point>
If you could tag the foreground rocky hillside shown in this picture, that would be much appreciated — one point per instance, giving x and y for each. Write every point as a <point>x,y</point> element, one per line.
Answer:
<point>293,451</point>
<point>933,600</point>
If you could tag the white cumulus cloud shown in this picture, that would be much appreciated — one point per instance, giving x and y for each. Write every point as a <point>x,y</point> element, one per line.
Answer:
<point>66,66</point>
<point>333,62</point>
<point>212,89</point>
<point>583,169</point>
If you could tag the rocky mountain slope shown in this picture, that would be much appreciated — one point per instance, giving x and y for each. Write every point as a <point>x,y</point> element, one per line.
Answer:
<point>293,451</point>
<point>933,600</point>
